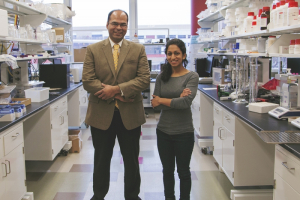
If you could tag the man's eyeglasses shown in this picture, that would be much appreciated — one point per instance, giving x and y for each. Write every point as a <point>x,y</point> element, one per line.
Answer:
<point>115,24</point>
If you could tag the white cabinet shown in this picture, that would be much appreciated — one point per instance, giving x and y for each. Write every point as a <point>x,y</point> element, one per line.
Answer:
<point>12,171</point>
<point>241,154</point>
<point>223,141</point>
<point>46,132</point>
<point>77,113</point>
<point>287,175</point>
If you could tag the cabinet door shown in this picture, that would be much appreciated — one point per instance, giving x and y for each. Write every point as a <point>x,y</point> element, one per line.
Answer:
<point>283,190</point>
<point>228,153</point>
<point>15,180</point>
<point>59,132</point>
<point>196,116</point>
<point>83,104</point>
<point>218,142</point>
<point>3,174</point>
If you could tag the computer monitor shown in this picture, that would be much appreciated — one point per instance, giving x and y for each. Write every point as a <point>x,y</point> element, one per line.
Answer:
<point>150,65</point>
<point>57,61</point>
<point>209,65</point>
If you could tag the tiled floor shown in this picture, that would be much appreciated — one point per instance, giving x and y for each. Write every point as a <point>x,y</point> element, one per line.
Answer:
<point>70,177</point>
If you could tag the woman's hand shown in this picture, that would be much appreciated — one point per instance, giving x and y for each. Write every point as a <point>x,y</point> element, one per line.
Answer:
<point>155,101</point>
<point>186,92</point>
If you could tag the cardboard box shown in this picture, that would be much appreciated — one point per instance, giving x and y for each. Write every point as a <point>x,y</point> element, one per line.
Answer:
<point>79,55</point>
<point>60,35</point>
<point>76,137</point>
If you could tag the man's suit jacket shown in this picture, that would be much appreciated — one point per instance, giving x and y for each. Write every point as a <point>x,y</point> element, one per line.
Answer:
<point>132,76</point>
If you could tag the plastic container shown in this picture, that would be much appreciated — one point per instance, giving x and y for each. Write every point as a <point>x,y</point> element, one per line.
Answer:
<point>280,14</point>
<point>261,45</point>
<point>37,94</point>
<point>72,79</point>
<point>276,14</point>
<point>273,16</point>
<point>258,19</point>
<point>270,41</point>
<point>254,26</point>
<point>292,14</point>
<point>248,22</point>
<point>285,11</point>
<point>297,47</point>
<point>292,47</point>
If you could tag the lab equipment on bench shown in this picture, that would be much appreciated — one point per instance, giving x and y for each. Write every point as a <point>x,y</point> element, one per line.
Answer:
<point>283,113</point>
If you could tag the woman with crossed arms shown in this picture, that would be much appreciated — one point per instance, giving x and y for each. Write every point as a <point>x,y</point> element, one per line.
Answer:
<point>174,92</point>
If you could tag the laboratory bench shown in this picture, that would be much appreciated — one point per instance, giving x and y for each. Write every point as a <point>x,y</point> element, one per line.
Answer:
<point>34,107</point>
<point>256,169</point>
<point>38,135</point>
<point>259,121</point>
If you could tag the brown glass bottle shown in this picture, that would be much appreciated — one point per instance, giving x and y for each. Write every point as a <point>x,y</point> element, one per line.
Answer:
<point>265,18</point>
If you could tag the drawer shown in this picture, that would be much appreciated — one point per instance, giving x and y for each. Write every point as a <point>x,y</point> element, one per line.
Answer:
<point>217,112</point>
<point>1,148</point>
<point>82,91</point>
<point>228,121</point>
<point>58,106</point>
<point>13,139</point>
<point>287,168</point>
<point>283,190</point>
<point>83,99</point>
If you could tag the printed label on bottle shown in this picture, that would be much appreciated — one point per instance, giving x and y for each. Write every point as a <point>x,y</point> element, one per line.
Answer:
<point>291,49</point>
<point>263,22</point>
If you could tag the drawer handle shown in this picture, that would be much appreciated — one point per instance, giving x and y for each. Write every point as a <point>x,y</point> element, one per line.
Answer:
<point>55,109</point>
<point>64,102</point>
<point>5,170</point>
<point>217,110</point>
<point>15,136</point>
<point>84,99</point>
<point>227,118</point>
<point>8,166</point>
<point>219,133</point>
<point>285,165</point>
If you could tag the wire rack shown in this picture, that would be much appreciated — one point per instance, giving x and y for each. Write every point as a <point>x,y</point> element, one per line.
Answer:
<point>277,137</point>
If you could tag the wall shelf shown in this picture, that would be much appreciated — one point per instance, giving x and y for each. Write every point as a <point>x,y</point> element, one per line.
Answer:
<point>27,41</point>
<point>219,15</point>
<point>25,11</point>
<point>40,57</point>
<point>18,8</point>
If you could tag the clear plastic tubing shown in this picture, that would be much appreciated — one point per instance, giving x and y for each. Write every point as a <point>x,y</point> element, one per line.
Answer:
<point>248,22</point>
<point>292,47</point>
<point>297,47</point>
<point>292,13</point>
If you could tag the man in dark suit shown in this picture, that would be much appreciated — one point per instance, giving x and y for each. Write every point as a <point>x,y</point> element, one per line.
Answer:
<point>115,72</point>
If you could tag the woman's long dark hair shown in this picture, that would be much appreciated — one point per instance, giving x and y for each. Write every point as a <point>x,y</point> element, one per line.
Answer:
<point>167,68</point>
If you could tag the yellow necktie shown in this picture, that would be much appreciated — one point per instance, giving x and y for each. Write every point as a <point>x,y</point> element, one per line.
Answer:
<point>116,59</point>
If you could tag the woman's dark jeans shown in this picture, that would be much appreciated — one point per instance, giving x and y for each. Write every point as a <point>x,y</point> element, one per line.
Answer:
<point>176,147</point>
